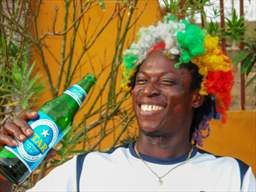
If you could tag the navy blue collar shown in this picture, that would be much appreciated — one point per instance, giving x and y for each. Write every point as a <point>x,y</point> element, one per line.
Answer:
<point>161,161</point>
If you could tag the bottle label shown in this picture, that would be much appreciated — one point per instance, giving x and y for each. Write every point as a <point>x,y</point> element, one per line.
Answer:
<point>77,93</point>
<point>33,150</point>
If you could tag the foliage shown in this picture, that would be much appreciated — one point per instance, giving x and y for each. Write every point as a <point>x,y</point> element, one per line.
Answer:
<point>247,58</point>
<point>213,28</point>
<point>235,27</point>
<point>18,85</point>
<point>188,9</point>
<point>235,32</point>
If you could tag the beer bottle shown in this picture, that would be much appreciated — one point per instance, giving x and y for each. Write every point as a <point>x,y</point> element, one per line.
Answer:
<point>55,117</point>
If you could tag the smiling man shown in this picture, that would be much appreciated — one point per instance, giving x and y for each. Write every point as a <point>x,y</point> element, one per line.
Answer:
<point>164,102</point>
<point>179,80</point>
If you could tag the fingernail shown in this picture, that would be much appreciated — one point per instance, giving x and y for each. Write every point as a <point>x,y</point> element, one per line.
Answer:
<point>22,137</point>
<point>29,131</point>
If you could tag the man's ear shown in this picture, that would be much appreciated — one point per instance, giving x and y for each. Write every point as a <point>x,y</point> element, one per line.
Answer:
<point>197,99</point>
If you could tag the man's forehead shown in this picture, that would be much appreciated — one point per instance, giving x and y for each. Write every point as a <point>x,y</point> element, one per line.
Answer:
<point>163,71</point>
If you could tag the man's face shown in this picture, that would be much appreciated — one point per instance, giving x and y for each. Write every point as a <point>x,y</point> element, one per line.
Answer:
<point>162,98</point>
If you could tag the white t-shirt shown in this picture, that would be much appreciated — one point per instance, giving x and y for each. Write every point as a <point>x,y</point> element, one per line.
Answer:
<point>122,170</point>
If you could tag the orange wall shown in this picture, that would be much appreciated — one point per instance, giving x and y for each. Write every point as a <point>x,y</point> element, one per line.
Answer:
<point>236,138</point>
<point>102,52</point>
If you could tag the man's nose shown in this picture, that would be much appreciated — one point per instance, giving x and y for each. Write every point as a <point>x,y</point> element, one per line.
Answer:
<point>151,89</point>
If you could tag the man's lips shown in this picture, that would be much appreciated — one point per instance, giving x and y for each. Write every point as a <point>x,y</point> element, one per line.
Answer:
<point>150,109</point>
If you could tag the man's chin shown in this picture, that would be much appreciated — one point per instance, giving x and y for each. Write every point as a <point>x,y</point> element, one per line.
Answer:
<point>152,133</point>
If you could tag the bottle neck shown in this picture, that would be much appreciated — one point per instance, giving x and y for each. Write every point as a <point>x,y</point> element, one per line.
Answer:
<point>77,93</point>
<point>87,82</point>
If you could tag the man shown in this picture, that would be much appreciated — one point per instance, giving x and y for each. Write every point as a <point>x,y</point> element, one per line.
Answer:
<point>173,71</point>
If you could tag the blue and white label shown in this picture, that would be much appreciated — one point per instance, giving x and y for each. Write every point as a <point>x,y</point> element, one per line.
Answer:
<point>77,93</point>
<point>46,135</point>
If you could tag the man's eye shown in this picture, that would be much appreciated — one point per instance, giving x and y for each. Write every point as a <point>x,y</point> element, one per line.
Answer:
<point>168,82</point>
<point>140,81</point>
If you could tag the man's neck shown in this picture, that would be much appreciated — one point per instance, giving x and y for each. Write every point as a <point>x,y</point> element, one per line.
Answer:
<point>162,147</point>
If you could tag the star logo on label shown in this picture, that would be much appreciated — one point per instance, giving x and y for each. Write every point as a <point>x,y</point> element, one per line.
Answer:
<point>45,133</point>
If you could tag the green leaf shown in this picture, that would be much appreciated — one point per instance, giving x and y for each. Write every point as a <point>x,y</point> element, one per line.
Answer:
<point>235,26</point>
<point>16,74</point>
<point>213,28</point>
<point>3,45</point>
<point>246,63</point>
<point>240,56</point>
<point>250,66</point>
<point>13,49</point>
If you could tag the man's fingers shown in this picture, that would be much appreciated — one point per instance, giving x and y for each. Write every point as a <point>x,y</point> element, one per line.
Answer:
<point>7,140</point>
<point>23,125</point>
<point>28,115</point>
<point>12,129</point>
<point>17,129</point>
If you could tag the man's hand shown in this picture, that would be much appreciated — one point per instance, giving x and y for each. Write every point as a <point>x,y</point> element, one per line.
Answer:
<point>17,129</point>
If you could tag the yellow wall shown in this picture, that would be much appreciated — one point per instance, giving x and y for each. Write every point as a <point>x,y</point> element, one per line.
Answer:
<point>235,138</point>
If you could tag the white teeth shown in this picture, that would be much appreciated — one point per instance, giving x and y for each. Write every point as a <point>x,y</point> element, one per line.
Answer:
<point>145,107</point>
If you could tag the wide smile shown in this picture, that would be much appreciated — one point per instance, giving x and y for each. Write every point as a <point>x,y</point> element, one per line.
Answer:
<point>150,109</point>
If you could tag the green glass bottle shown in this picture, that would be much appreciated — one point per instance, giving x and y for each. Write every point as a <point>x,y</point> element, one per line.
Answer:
<point>55,116</point>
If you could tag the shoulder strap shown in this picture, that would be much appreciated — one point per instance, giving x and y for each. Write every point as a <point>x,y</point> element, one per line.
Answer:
<point>79,167</point>
<point>243,169</point>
